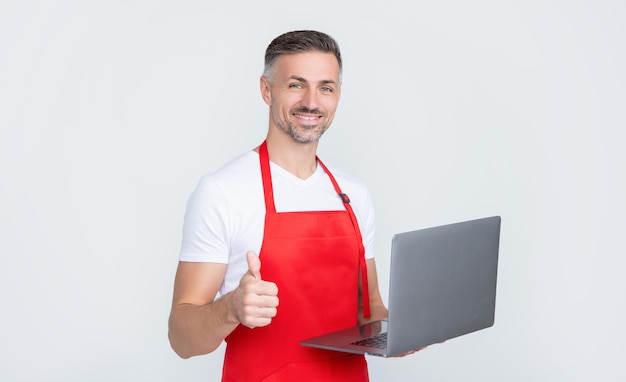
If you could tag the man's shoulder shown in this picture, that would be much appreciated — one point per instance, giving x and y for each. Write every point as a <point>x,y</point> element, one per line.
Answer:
<point>356,188</point>
<point>346,179</point>
<point>242,168</point>
<point>236,179</point>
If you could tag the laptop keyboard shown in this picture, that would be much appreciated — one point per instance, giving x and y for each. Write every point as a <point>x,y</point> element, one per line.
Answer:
<point>378,341</point>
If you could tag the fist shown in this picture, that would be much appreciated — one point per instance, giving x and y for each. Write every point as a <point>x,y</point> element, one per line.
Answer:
<point>255,300</point>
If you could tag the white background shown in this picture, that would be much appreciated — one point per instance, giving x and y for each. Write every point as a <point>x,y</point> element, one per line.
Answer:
<point>110,111</point>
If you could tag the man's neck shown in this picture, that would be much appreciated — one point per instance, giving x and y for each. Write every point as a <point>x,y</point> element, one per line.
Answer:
<point>297,158</point>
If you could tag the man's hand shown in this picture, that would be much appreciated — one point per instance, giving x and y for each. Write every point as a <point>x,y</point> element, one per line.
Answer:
<point>416,350</point>
<point>254,300</point>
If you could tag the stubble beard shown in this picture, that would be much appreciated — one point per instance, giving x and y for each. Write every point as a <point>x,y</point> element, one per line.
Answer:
<point>302,133</point>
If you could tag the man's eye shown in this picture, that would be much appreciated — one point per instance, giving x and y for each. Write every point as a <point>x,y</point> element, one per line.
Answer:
<point>327,89</point>
<point>295,86</point>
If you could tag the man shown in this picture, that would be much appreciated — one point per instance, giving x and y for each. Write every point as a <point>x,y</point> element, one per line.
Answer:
<point>279,206</point>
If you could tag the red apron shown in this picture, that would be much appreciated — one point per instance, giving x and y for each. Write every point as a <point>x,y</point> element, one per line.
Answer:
<point>314,258</point>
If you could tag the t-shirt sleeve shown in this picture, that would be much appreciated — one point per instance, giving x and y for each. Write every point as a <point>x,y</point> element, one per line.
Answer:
<point>205,224</point>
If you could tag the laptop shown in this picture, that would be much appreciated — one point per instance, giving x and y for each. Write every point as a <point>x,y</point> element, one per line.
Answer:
<point>442,286</point>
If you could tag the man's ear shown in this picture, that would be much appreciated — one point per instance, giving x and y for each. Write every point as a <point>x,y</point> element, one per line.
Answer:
<point>266,92</point>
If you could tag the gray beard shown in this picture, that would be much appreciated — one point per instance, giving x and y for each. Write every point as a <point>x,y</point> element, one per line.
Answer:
<point>301,134</point>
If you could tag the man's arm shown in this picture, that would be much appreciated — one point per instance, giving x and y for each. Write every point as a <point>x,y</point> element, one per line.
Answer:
<point>377,307</point>
<point>198,324</point>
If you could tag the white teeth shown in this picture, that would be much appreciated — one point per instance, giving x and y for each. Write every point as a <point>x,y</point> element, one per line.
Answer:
<point>307,118</point>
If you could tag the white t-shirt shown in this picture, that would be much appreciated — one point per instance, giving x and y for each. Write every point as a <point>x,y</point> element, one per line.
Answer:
<point>225,214</point>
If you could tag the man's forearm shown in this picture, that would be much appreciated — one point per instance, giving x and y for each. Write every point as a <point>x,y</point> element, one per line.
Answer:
<point>200,329</point>
<point>378,311</point>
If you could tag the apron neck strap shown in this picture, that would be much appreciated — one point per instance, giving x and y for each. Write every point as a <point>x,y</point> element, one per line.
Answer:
<point>266,174</point>
<point>362,263</point>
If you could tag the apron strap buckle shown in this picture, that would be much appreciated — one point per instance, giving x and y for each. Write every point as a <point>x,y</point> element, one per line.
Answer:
<point>345,198</point>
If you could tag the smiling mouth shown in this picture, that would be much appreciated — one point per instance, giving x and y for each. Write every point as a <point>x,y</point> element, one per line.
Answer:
<point>307,115</point>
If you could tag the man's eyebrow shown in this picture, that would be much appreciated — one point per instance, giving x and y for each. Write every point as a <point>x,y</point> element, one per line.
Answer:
<point>323,82</point>
<point>300,79</point>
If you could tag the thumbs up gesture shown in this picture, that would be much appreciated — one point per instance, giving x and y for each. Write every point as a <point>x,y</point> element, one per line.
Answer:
<point>255,300</point>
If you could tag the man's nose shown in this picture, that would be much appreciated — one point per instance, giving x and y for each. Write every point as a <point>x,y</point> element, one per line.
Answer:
<point>309,99</point>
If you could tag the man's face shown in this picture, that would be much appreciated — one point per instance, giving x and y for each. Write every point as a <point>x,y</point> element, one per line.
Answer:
<point>303,94</point>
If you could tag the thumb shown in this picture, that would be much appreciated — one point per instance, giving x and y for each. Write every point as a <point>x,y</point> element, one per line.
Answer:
<point>254,264</point>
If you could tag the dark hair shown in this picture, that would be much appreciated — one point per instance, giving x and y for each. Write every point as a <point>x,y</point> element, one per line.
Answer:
<point>299,42</point>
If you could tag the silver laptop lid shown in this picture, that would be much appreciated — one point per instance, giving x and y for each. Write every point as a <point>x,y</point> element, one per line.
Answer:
<point>443,281</point>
